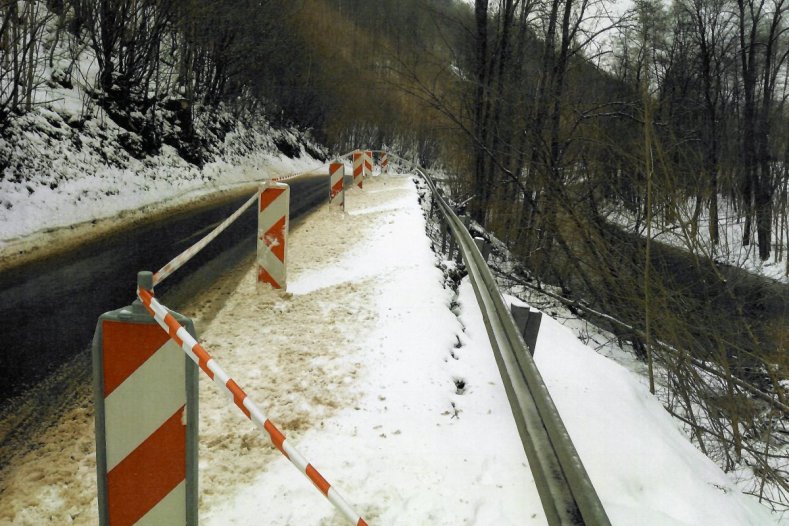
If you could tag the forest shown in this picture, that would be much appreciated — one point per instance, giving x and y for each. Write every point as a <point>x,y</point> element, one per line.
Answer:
<point>635,159</point>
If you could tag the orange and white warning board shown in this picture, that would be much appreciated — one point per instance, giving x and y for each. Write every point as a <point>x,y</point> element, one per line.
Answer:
<point>368,163</point>
<point>358,168</point>
<point>336,183</point>
<point>176,332</point>
<point>384,163</point>
<point>273,222</point>
<point>146,423</point>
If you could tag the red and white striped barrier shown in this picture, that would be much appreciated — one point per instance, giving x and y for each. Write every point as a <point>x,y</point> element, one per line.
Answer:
<point>368,163</point>
<point>179,261</point>
<point>336,183</point>
<point>272,251</point>
<point>146,423</point>
<point>209,366</point>
<point>384,163</point>
<point>358,168</point>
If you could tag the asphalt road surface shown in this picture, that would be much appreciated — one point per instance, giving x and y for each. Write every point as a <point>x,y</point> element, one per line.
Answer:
<point>49,309</point>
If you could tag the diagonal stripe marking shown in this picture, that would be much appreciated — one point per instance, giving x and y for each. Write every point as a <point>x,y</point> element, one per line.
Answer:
<point>148,474</point>
<point>274,238</point>
<point>146,399</point>
<point>171,510</point>
<point>126,346</point>
<point>265,277</point>
<point>268,195</point>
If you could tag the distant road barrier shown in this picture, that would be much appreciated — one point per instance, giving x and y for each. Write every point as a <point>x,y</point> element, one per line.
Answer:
<point>358,169</point>
<point>337,183</point>
<point>272,244</point>
<point>368,163</point>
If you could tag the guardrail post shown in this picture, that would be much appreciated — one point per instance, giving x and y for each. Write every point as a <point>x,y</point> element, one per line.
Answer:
<point>337,183</point>
<point>145,395</point>
<point>384,163</point>
<point>368,163</point>
<point>527,321</point>
<point>358,168</point>
<point>273,220</point>
<point>484,247</point>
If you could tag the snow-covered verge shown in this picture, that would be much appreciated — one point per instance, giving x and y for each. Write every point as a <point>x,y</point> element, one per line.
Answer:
<point>729,250</point>
<point>381,373</point>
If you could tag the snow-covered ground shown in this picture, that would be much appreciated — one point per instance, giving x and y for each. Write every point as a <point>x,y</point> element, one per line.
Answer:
<point>728,250</point>
<point>384,378</point>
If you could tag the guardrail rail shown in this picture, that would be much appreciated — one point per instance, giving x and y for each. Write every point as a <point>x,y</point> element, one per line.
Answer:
<point>567,494</point>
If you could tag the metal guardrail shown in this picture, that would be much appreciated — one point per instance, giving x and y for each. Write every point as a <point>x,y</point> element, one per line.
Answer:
<point>568,496</point>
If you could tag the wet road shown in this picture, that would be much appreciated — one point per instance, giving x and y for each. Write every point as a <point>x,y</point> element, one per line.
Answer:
<point>48,309</point>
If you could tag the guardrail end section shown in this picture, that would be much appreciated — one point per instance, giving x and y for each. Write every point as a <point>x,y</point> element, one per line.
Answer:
<point>337,183</point>
<point>145,394</point>
<point>273,224</point>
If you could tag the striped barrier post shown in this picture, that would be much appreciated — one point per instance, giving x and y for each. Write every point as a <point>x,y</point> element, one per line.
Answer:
<point>145,395</point>
<point>358,168</point>
<point>210,367</point>
<point>337,183</point>
<point>368,163</point>
<point>273,218</point>
<point>384,163</point>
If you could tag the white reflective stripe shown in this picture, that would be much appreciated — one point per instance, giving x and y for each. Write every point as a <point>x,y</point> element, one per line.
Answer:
<point>273,213</point>
<point>294,456</point>
<point>220,377</point>
<point>339,503</point>
<point>188,343</point>
<point>257,416</point>
<point>274,265</point>
<point>143,402</point>
<point>159,312</point>
<point>171,510</point>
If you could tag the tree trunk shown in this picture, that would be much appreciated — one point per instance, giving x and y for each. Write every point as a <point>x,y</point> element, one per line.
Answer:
<point>479,205</point>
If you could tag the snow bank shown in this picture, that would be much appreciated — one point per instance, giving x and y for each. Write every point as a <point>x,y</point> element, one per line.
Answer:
<point>643,467</point>
<point>361,364</point>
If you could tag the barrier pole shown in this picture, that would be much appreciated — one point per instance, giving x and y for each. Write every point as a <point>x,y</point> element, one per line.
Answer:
<point>145,395</point>
<point>368,163</point>
<point>358,168</point>
<point>384,163</point>
<point>210,367</point>
<point>337,183</point>
<point>272,245</point>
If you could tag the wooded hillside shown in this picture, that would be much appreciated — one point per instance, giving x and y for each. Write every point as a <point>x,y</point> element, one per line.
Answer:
<point>580,138</point>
